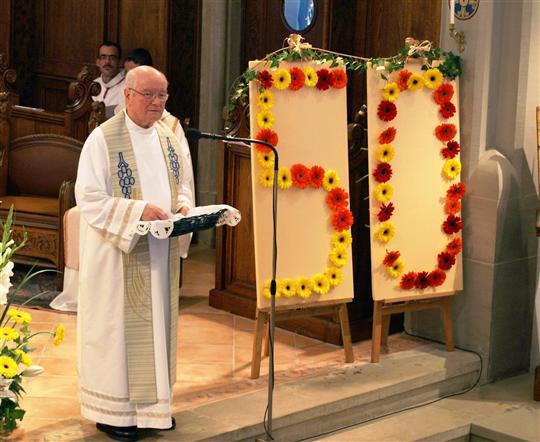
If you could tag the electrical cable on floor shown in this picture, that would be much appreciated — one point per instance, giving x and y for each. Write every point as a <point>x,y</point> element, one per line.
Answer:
<point>412,407</point>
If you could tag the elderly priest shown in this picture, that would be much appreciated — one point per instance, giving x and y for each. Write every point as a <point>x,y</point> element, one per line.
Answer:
<point>130,169</point>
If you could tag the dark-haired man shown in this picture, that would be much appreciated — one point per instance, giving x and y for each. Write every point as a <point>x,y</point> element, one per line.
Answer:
<point>112,77</point>
<point>137,57</point>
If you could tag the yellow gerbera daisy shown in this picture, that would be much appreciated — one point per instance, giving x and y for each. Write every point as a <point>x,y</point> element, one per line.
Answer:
<point>23,357</point>
<point>452,168</point>
<point>282,79</point>
<point>284,178</point>
<point>385,232</point>
<point>266,159</point>
<point>334,275</point>
<point>384,192</point>
<point>266,178</point>
<point>343,238</point>
<point>265,100</point>
<point>321,285</point>
<point>288,287</point>
<point>59,334</point>
<point>395,270</point>
<point>433,78</point>
<point>266,289</point>
<point>8,367</point>
<point>8,333</point>
<point>330,180</point>
<point>19,316</point>
<point>390,92</point>
<point>303,287</point>
<point>385,153</point>
<point>338,256</point>
<point>265,119</point>
<point>311,77</point>
<point>415,82</point>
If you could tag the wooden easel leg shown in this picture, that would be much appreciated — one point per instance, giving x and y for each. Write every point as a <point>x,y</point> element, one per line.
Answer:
<point>376,333</point>
<point>385,332</point>
<point>346,333</point>
<point>266,341</point>
<point>446,310</point>
<point>257,344</point>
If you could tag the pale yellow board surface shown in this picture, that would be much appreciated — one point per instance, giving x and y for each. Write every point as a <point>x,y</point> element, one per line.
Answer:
<point>419,189</point>
<point>312,129</point>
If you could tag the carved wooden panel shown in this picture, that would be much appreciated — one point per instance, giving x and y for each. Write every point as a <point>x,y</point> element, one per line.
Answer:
<point>41,244</point>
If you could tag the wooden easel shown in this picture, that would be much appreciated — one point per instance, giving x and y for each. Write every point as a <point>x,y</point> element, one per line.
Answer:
<point>382,310</point>
<point>284,313</point>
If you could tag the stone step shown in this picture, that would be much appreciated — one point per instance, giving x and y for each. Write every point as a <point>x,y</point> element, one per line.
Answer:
<point>355,393</point>
<point>502,411</point>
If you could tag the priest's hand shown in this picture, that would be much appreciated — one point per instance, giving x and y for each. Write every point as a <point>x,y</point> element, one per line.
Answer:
<point>183,210</point>
<point>152,213</point>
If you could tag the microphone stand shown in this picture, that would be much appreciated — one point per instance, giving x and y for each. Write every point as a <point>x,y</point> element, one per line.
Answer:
<point>194,134</point>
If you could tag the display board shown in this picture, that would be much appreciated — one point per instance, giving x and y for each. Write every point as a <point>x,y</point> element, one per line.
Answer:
<point>301,109</point>
<point>415,188</point>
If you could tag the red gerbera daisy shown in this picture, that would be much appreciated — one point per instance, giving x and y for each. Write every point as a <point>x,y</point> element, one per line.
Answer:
<point>337,198</point>
<point>297,78</point>
<point>447,110</point>
<point>454,246</point>
<point>451,150</point>
<point>340,78</point>
<point>452,224</point>
<point>325,79</point>
<point>391,258</point>
<point>436,278</point>
<point>342,219</point>
<point>316,176</point>
<point>446,260</point>
<point>266,79</point>
<point>387,110</point>
<point>456,191</point>
<point>407,281</point>
<point>385,212</point>
<point>300,175</point>
<point>452,206</point>
<point>421,281</point>
<point>443,93</point>
<point>387,135</point>
<point>403,77</point>
<point>445,132</point>
<point>269,136</point>
<point>383,172</point>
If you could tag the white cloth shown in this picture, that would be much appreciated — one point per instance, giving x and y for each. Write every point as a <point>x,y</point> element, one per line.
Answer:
<point>112,92</point>
<point>66,301</point>
<point>102,356</point>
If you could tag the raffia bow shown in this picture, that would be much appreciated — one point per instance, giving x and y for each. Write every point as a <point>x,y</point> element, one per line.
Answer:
<point>295,42</point>
<point>417,46</point>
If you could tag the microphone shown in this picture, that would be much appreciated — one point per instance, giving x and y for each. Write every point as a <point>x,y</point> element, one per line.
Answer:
<point>193,134</point>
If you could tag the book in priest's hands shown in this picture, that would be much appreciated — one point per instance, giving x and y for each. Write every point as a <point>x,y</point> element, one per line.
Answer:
<point>198,218</point>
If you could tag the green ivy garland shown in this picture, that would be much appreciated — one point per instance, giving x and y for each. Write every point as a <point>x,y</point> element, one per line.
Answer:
<point>450,67</point>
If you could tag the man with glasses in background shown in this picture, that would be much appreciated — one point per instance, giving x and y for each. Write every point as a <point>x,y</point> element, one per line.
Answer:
<point>112,77</point>
<point>131,169</point>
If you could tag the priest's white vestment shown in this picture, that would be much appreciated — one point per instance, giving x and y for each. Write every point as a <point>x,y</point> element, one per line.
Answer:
<point>102,359</point>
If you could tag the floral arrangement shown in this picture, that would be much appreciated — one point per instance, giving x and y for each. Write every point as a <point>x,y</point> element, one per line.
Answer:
<point>15,334</point>
<point>442,91</point>
<point>303,177</point>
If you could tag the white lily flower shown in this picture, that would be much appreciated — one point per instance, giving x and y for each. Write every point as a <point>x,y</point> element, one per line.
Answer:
<point>32,371</point>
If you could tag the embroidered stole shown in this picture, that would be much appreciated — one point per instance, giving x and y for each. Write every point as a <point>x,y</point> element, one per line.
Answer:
<point>136,264</point>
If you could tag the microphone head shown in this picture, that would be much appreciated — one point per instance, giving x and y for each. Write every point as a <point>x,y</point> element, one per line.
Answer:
<point>193,134</point>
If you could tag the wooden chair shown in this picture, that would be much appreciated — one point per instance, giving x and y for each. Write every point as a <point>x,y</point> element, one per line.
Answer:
<point>39,183</point>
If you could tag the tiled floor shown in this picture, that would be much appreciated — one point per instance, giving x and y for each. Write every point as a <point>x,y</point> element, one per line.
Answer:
<point>214,356</point>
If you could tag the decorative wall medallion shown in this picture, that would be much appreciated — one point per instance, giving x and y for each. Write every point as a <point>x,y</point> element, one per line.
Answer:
<point>465,9</point>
